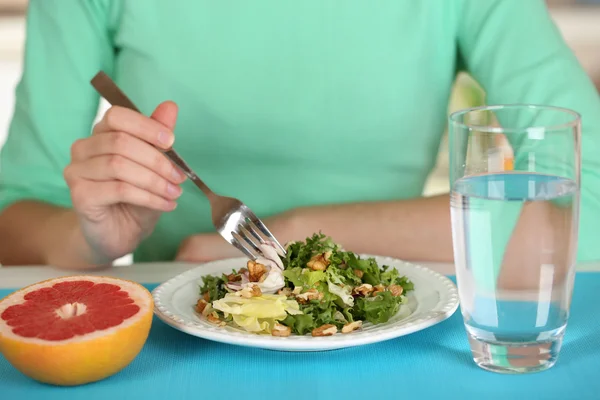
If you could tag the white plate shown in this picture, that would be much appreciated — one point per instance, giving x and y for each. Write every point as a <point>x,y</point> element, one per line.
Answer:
<point>434,299</point>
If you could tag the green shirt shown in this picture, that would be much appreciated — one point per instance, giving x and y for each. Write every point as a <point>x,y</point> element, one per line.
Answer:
<point>287,103</point>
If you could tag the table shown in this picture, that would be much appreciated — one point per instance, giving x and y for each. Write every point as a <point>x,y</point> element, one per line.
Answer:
<point>431,364</point>
<point>17,277</point>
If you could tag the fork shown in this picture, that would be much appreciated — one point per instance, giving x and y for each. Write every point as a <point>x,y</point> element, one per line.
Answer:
<point>234,221</point>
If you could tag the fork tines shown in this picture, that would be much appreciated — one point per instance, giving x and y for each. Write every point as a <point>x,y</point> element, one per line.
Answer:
<point>251,234</point>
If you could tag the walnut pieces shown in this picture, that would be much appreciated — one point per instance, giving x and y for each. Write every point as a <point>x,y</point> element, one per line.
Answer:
<point>363,290</point>
<point>367,290</point>
<point>378,289</point>
<point>234,278</point>
<point>213,318</point>
<point>249,291</point>
<point>325,330</point>
<point>395,290</point>
<point>352,326</point>
<point>358,273</point>
<point>256,271</point>
<point>201,305</point>
<point>281,330</point>
<point>310,294</point>
<point>319,262</point>
<point>286,291</point>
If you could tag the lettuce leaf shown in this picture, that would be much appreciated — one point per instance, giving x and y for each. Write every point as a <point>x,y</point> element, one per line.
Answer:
<point>304,277</point>
<point>346,270</point>
<point>300,324</point>
<point>215,286</point>
<point>392,277</point>
<point>378,309</point>
<point>339,276</point>
<point>298,254</point>
<point>257,314</point>
<point>344,293</point>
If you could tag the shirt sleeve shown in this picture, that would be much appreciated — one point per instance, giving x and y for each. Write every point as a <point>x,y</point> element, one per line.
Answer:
<point>67,42</point>
<point>514,50</point>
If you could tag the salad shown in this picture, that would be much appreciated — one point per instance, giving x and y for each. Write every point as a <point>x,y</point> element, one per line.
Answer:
<point>317,288</point>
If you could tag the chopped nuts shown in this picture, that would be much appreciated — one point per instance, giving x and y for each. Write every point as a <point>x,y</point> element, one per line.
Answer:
<point>319,262</point>
<point>310,294</point>
<point>281,330</point>
<point>206,297</point>
<point>358,273</point>
<point>396,290</point>
<point>325,330</point>
<point>352,326</point>
<point>256,271</point>
<point>214,319</point>
<point>234,278</point>
<point>249,291</point>
<point>201,305</point>
<point>285,291</point>
<point>378,289</point>
<point>363,290</point>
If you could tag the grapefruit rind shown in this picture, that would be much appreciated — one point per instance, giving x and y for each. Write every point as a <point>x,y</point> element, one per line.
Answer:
<point>81,359</point>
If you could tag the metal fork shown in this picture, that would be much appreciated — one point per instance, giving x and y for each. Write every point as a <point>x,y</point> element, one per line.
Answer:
<point>234,221</point>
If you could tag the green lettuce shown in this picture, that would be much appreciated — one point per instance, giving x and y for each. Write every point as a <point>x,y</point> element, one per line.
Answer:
<point>215,286</point>
<point>378,309</point>
<point>304,277</point>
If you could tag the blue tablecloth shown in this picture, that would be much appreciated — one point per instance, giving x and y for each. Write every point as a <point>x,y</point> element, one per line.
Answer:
<point>431,364</point>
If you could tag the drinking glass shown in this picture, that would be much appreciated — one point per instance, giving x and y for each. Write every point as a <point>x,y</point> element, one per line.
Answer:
<point>515,184</point>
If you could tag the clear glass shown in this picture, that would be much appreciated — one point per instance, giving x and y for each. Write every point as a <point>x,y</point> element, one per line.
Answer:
<point>515,184</point>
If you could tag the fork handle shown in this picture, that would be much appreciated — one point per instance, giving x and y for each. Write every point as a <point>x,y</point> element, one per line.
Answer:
<point>108,89</point>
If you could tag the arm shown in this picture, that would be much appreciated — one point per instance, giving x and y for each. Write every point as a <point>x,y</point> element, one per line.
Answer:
<point>37,233</point>
<point>529,62</point>
<point>416,229</point>
<point>514,50</point>
<point>67,43</point>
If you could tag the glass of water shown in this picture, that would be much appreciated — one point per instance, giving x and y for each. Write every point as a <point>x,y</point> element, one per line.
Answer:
<point>515,183</point>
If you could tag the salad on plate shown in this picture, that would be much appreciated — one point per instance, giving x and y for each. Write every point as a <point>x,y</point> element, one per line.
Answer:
<point>316,287</point>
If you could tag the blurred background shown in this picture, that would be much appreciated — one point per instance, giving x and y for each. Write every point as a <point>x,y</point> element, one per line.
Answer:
<point>578,20</point>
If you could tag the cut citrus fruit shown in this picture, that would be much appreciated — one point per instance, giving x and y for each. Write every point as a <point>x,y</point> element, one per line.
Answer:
<point>75,330</point>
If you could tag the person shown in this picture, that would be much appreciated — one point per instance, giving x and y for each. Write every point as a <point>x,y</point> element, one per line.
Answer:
<point>320,116</point>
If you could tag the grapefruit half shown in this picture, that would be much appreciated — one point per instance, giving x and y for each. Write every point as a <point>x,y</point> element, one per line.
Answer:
<point>75,330</point>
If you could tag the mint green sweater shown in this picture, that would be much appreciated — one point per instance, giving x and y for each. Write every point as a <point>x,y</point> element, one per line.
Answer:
<point>287,103</point>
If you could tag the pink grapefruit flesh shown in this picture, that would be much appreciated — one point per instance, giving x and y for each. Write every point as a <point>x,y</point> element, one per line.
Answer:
<point>52,330</point>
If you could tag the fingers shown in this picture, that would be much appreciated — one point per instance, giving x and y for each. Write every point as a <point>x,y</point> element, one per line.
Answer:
<point>121,162</point>
<point>127,146</point>
<point>119,168</point>
<point>166,114</point>
<point>148,129</point>
<point>89,194</point>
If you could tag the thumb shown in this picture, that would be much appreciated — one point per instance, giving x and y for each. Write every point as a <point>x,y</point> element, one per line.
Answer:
<point>166,114</point>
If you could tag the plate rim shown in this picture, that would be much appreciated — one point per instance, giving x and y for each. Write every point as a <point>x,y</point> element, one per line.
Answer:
<point>305,343</point>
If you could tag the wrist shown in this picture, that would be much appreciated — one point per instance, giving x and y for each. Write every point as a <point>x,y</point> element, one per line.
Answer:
<point>66,244</point>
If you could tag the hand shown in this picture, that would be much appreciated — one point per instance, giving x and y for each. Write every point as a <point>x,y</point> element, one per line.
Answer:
<point>120,183</point>
<point>211,246</point>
